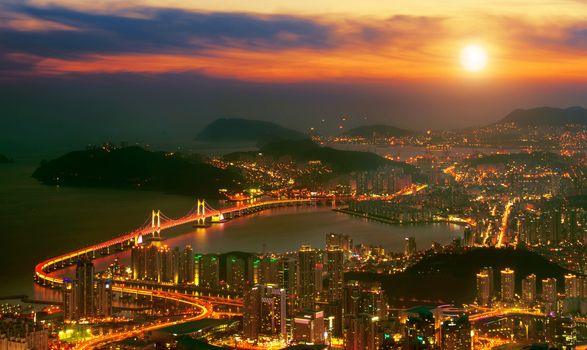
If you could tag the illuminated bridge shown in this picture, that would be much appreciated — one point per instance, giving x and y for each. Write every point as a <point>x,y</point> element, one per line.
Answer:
<point>201,214</point>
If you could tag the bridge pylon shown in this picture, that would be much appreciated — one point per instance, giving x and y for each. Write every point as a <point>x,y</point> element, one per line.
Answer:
<point>156,223</point>
<point>201,210</point>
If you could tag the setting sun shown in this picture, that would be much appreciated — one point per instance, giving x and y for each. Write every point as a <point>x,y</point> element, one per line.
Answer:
<point>473,58</point>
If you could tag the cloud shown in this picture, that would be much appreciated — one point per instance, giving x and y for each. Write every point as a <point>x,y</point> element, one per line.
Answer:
<point>158,30</point>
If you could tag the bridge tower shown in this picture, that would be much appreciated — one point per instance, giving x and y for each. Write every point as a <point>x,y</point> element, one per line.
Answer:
<point>156,223</point>
<point>201,211</point>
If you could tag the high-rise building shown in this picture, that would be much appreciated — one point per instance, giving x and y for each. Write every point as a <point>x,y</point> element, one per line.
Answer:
<point>549,295</point>
<point>335,270</point>
<point>362,333</point>
<point>207,271</point>
<point>236,270</point>
<point>508,285</point>
<point>345,242</point>
<point>266,270</point>
<point>309,327</point>
<point>70,304</point>
<point>265,312</point>
<point>410,246</point>
<point>483,288</point>
<point>529,289</point>
<point>84,273</point>
<point>307,261</point>
<point>572,289</point>
<point>455,333</point>
<point>452,328</point>
<point>103,298</point>
<point>362,298</point>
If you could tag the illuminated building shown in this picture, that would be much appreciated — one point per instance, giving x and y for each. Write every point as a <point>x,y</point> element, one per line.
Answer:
<point>335,269</point>
<point>309,327</point>
<point>468,237</point>
<point>104,298</point>
<point>564,337</point>
<point>266,270</point>
<point>410,246</point>
<point>549,295</point>
<point>362,333</point>
<point>483,289</point>
<point>183,265</point>
<point>22,334</point>
<point>307,260</point>
<point>529,290</point>
<point>207,271</point>
<point>452,327</point>
<point>239,273</point>
<point>69,294</point>
<point>508,285</point>
<point>419,328</point>
<point>265,312</point>
<point>345,242</point>
<point>84,288</point>
<point>572,286</point>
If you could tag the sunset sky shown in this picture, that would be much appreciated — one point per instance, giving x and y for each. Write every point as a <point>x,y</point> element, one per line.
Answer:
<point>388,61</point>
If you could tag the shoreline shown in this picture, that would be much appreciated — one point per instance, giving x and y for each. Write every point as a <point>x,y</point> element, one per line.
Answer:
<point>394,222</point>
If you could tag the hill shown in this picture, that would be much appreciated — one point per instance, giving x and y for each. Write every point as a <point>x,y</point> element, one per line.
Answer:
<point>451,277</point>
<point>134,167</point>
<point>4,159</point>
<point>340,161</point>
<point>378,131</point>
<point>547,116</point>
<point>245,130</point>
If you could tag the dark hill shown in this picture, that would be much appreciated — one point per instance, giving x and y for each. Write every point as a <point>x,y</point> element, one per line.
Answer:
<point>378,130</point>
<point>245,130</point>
<point>547,116</point>
<point>340,161</point>
<point>134,167</point>
<point>452,277</point>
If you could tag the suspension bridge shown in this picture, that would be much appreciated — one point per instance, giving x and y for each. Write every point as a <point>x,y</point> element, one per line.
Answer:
<point>200,214</point>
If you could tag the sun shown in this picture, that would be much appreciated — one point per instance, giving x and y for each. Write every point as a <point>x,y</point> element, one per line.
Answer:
<point>473,58</point>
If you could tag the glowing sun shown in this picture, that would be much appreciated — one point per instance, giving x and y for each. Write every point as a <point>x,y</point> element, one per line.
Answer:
<point>473,58</point>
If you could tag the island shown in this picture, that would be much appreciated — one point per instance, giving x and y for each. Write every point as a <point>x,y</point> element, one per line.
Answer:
<point>135,167</point>
<point>235,130</point>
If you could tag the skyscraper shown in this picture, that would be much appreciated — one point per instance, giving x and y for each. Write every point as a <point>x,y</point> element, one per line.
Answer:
<point>483,289</point>
<point>508,284</point>
<point>571,286</point>
<point>529,289</point>
<point>362,333</point>
<point>335,269</point>
<point>69,293</point>
<point>104,298</point>
<point>549,295</point>
<point>207,271</point>
<point>309,327</point>
<point>84,274</point>
<point>265,312</point>
<point>410,246</point>
<point>455,332</point>
<point>307,260</point>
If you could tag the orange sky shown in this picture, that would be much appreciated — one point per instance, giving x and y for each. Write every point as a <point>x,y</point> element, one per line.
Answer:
<point>543,40</point>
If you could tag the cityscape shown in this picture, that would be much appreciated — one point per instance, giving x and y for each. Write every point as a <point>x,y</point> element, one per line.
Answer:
<point>287,176</point>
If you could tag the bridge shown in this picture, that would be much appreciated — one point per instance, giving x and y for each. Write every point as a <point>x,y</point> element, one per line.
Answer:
<point>201,214</point>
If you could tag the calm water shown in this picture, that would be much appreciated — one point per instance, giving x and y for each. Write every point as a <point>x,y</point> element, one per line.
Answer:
<point>38,222</point>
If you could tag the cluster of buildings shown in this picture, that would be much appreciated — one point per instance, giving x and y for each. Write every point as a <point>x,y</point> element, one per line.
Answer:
<point>572,302</point>
<point>23,334</point>
<point>152,261</point>
<point>86,297</point>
